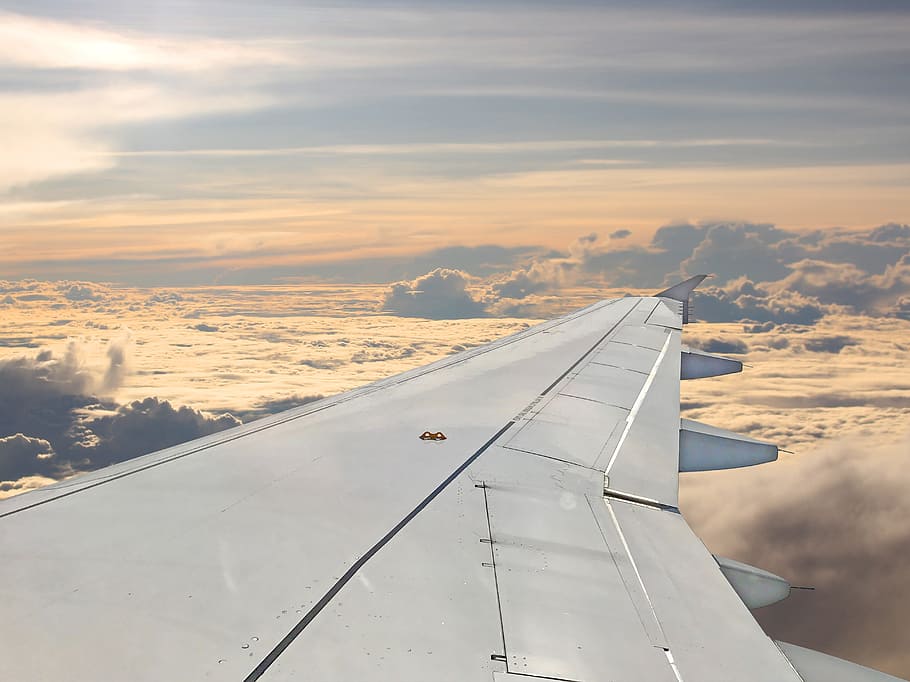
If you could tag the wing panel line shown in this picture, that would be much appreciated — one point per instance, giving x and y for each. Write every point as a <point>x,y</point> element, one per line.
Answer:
<point>638,402</point>
<point>260,669</point>
<point>593,348</point>
<point>357,565</point>
<point>502,627</point>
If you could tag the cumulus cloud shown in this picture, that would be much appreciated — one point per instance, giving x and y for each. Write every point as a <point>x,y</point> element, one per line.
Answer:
<point>22,456</point>
<point>440,294</point>
<point>848,285</point>
<point>620,234</point>
<point>80,292</point>
<point>53,424</point>
<point>829,344</point>
<point>164,297</point>
<point>143,426</point>
<point>901,308</point>
<point>545,273</point>
<point>454,294</point>
<point>382,353</point>
<point>714,344</point>
<point>320,363</point>
<point>761,273</point>
<point>45,375</point>
<point>522,283</point>
<point>743,299</point>
<point>739,250</point>
<point>833,519</point>
<point>269,406</point>
<point>117,367</point>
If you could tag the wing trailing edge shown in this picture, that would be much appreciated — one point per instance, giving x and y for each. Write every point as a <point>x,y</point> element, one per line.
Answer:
<point>814,666</point>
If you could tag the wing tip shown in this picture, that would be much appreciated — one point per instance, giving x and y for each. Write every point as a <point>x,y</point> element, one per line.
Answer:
<point>680,292</point>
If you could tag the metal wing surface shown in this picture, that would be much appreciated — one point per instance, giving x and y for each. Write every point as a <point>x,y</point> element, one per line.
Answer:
<point>540,538</point>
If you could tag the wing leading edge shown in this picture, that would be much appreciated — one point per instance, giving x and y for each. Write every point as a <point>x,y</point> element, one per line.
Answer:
<point>541,537</point>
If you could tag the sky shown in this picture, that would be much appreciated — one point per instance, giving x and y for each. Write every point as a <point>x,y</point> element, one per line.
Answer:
<point>187,142</point>
<point>213,211</point>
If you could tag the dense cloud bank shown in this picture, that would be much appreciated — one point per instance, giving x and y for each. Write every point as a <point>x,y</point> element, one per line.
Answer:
<point>834,519</point>
<point>761,273</point>
<point>53,422</point>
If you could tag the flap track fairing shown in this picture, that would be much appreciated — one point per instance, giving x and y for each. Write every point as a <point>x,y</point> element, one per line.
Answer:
<point>707,448</point>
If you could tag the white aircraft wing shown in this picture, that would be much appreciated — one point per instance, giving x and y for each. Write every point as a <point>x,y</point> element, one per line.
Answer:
<point>505,514</point>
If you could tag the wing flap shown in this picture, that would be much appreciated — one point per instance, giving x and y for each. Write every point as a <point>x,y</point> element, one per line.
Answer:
<point>566,612</point>
<point>644,462</point>
<point>709,630</point>
<point>815,666</point>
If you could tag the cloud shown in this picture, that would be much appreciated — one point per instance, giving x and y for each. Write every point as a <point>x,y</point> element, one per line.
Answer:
<point>437,295</point>
<point>714,344</point>
<point>46,375</point>
<point>830,344</point>
<point>143,426</point>
<point>761,273</point>
<point>273,405</point>
<point>541,275</point>
<point>80,292</point>
<point>49,44</point>
<point>202,327</point>
<point>317,363</point>
<point>68,124</point>
<point>382,354</point>
<point>52,423</point>
<point>743,299</point>
<point>846,284</point>
<point>49,134</point>
<point>892,233</point>
<point>731,251</point>
<point>165,297</point>
<point>834,519</point>
<point>22,456</point>
<point>901,308</point>
<point>620,234</point>
<point>117,367</point>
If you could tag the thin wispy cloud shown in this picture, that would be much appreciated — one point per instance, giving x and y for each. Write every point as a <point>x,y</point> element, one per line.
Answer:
<point>406,148</point>
<point>42,43</point>
<point>410,127</point>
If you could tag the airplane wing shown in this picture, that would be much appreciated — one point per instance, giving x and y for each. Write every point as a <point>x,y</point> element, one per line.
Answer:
<point>508,513</point>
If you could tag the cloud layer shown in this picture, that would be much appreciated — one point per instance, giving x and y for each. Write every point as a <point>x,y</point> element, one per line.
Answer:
<point>833,519</point>
<point>760,273</point>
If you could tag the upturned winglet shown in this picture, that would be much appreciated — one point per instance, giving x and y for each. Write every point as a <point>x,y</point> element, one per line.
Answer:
<point>681,292</point>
